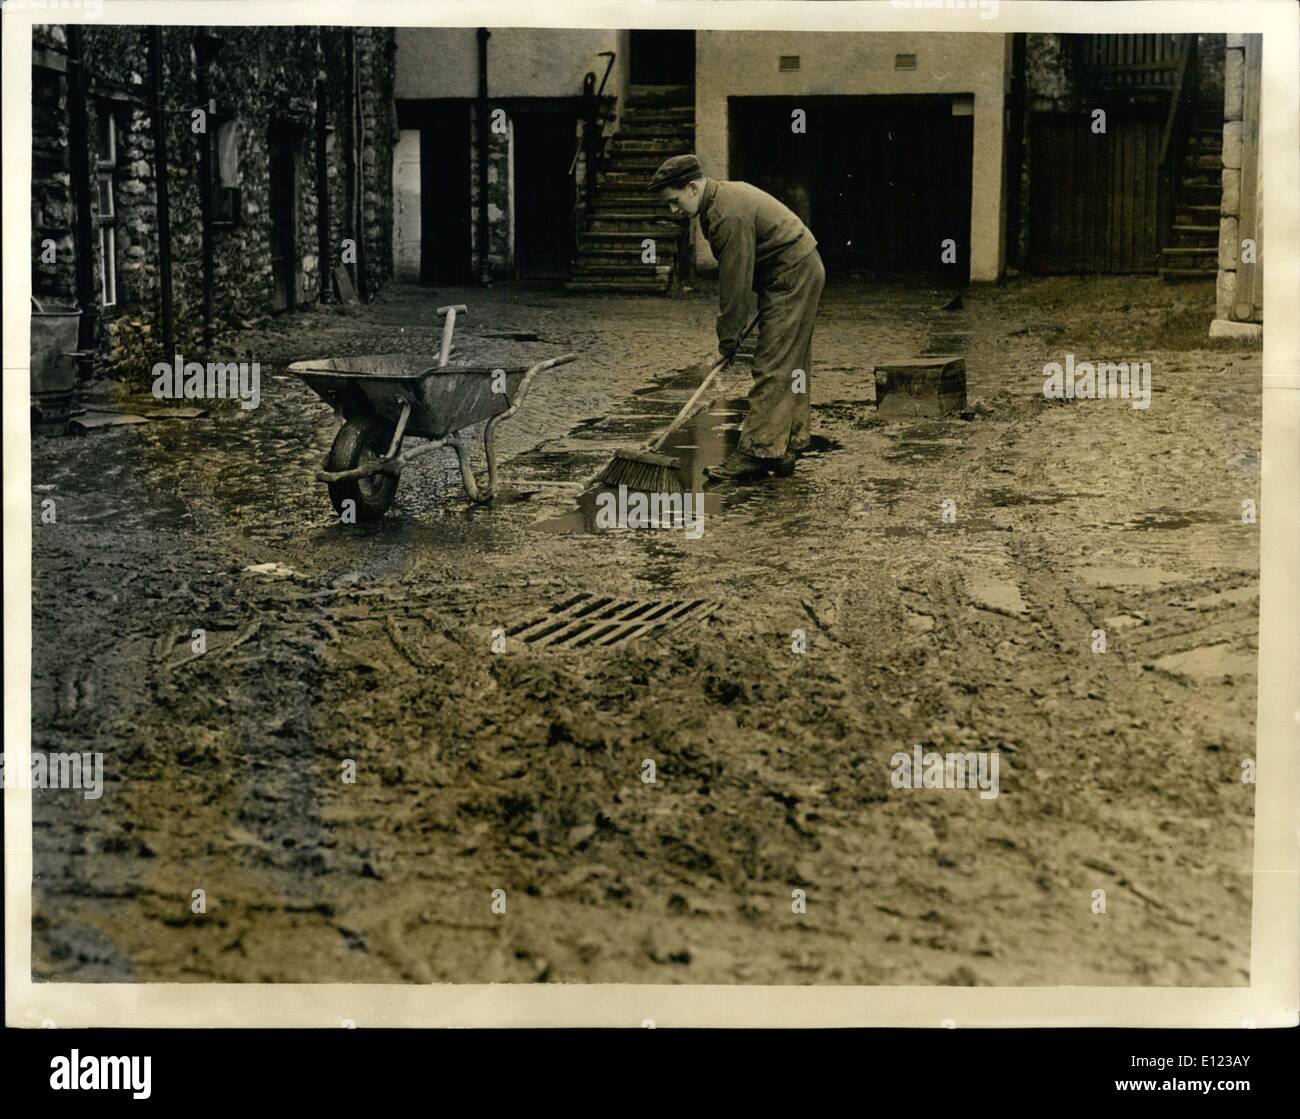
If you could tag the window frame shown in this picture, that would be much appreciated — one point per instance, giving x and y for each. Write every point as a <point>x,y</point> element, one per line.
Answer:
<point>106,223</point>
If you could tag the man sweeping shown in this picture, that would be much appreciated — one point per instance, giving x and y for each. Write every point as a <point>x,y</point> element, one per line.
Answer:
<point>760,246</point>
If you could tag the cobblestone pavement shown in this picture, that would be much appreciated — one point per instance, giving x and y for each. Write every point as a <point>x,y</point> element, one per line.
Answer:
<point>522,770</point>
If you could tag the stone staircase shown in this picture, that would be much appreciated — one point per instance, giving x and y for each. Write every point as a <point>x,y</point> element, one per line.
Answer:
<point>1192,249</point>
<point>656,122</point>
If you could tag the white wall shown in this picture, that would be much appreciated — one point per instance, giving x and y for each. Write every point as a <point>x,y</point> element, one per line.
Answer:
<point>744,64</point>
<point>522,61</point>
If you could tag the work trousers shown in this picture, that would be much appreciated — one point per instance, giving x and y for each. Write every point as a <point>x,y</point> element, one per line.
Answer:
<point>779,408</point>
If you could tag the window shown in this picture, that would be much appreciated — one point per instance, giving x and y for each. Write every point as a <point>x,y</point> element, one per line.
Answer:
<point>105,200</point>
<point>228,153</point>
<point>226,203</point>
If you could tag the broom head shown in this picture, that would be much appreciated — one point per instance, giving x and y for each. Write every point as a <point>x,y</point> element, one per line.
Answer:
<point>643,471</point>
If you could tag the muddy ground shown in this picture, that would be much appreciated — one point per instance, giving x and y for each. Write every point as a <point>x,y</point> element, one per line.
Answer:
<point>521,771</point>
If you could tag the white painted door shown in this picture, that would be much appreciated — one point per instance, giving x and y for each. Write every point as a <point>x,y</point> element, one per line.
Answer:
<point>406,197</point>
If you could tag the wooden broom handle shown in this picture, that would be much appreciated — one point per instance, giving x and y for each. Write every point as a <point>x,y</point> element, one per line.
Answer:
<point>699,392</point>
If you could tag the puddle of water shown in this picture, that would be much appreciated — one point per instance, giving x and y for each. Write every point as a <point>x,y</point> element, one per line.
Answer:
<point>912,450</point>
<point>1118,575</point>
<point>705,441</point>
<point>1165,520</point>
<point>1001,498</point>
<point>598,512</point>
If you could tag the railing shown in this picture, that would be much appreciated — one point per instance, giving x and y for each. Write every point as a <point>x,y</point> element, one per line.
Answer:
<point>591,146</point>
<point>1184,93</point>
<point>1131,63</point>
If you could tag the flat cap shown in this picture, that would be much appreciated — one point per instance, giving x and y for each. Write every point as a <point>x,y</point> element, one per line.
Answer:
<point>678,169</point>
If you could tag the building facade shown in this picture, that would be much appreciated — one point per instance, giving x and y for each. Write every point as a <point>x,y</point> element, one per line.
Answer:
<point>186,180</point>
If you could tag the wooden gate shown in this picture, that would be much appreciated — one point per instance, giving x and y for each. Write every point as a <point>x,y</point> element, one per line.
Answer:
<point>1094,199</point>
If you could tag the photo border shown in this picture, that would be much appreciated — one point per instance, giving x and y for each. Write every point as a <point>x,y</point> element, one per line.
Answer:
<point>1269,1001</point>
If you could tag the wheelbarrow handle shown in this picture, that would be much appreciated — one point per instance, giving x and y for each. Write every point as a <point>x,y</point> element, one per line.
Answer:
<point>551,363</point>
<point>489,445</point>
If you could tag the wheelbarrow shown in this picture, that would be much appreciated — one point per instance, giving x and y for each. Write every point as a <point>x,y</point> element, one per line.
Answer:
<point>385,398</point>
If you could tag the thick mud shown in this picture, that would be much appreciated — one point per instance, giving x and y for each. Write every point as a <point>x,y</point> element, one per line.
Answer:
<point>355,764</point>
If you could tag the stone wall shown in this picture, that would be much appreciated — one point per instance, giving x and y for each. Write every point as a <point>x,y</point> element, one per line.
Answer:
<point>257,78</point>
<point>1236,76</point>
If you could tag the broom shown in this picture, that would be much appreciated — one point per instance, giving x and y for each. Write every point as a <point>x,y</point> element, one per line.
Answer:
<point>646,470</point>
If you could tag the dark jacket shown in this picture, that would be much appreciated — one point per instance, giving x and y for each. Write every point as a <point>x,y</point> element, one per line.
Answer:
<point>753,236</point>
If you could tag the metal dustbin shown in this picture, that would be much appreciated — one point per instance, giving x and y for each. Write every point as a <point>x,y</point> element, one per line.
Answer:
<point>54,365</point>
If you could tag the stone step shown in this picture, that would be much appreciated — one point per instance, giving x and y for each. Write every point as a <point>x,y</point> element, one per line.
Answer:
<point>616,239</point>
<point>1197,258</point>
<point>632,161</point>
<point>625,180</point>
<point>1183,275</point>
<point>1195,236</point>
<point>592,247</point>
<point>644,217</point>
<point>584,269</point>
<point>1200,194</point>
<point>659,231</point>
<point>622,145</point>
<point>635,126</point>
<point>629,201</point>
<point>682,115</point>
<point>641,287</point>
<point>660,95</point>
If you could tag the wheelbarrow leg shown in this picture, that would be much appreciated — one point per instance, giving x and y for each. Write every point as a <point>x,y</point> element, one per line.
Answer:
<point>490,447</point>
<point>399,431</point>
<point>466,468</point>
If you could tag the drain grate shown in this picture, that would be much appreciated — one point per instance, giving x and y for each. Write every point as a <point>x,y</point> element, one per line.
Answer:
<point>604,621</point>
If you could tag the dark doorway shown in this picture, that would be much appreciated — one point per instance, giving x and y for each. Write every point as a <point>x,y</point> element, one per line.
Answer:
<point>543,149</point>
<point>663,57</point>
<point>283,142</point>
<point>445,208</point>
<point>883,182</point>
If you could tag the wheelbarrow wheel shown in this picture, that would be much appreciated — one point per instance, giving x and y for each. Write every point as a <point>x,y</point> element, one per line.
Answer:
<point>362,441</point>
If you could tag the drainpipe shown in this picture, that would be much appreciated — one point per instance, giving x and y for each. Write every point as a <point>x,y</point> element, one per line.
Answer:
<point>160,178</point>
<point>203,50</point>
<point>482,121</point>
<point>363,284</point>
<point>324,269</point>
<point>350,84</point>
<point>78,141</point>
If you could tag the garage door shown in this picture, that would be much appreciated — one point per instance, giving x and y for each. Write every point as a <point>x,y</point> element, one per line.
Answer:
<point>882,182</point>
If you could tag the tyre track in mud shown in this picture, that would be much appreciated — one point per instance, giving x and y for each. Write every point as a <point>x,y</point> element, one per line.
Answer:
<point>521,771</point>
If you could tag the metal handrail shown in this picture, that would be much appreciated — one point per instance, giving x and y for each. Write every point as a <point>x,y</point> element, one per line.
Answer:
<point>588,86</point>
<point>1176,98</point>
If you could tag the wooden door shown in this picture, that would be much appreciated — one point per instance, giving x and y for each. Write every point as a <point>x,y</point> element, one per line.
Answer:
<point>1094,198</point>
